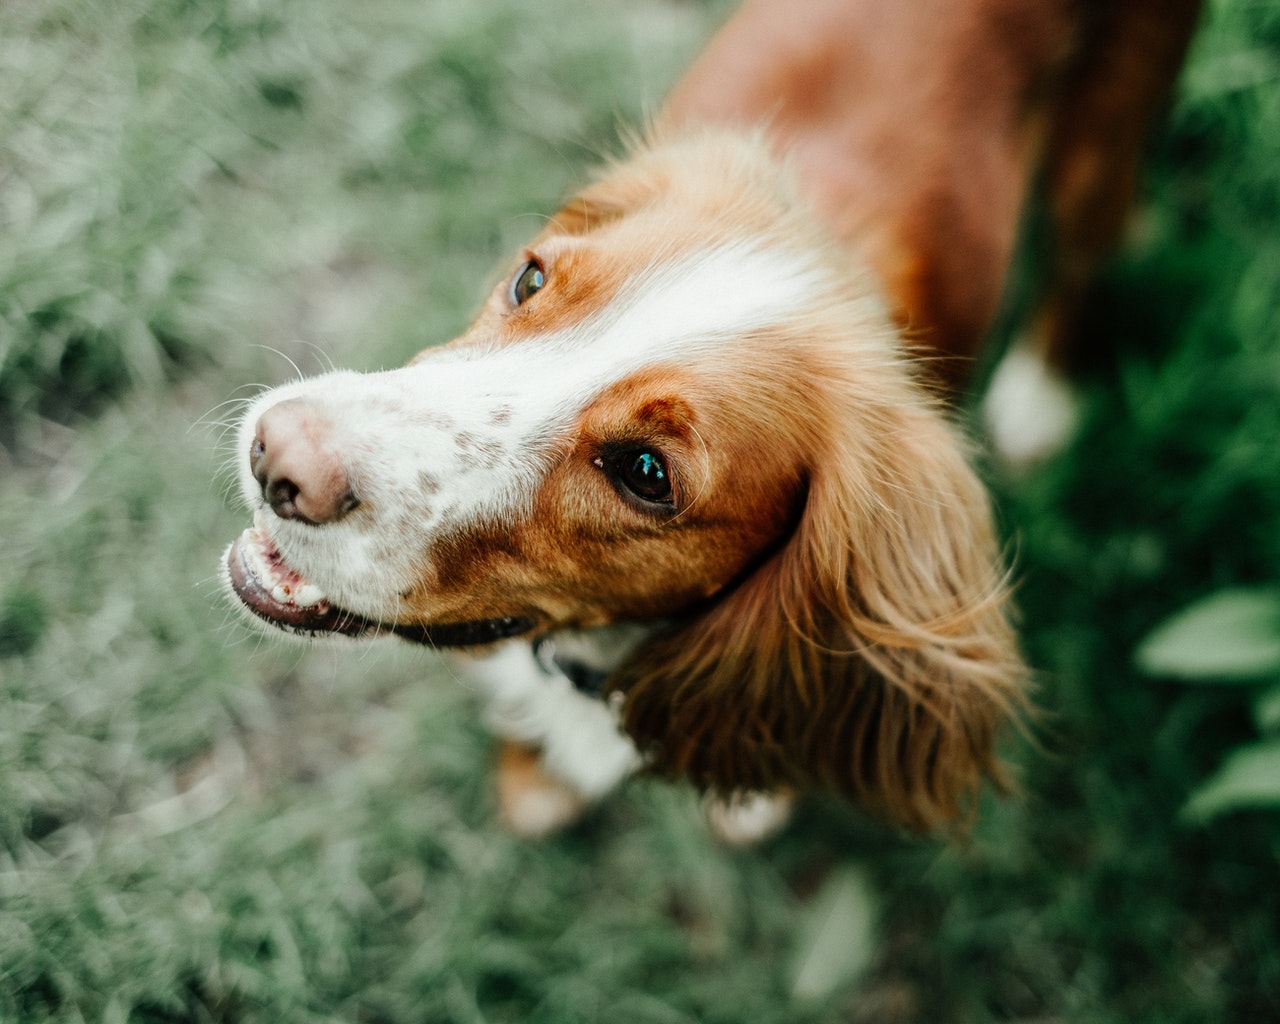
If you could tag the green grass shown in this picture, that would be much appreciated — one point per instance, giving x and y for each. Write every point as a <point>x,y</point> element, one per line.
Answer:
<point>197,824</point>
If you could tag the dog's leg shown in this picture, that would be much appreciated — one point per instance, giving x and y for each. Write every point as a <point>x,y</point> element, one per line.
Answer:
<point>748,818</point>
<point>1110,95</point>
<point>1115,91</point>
<point>531,802</point>
<point>1030,408</point>
<point>564,749</point>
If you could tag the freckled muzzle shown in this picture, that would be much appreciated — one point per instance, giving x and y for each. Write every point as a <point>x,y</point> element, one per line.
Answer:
<point>279,595</point>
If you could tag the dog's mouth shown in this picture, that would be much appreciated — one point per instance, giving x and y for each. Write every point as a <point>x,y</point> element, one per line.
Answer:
<point>281,596</point>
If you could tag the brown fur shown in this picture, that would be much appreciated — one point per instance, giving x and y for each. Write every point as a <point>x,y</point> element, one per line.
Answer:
<point>921,127</point>
<point>532,802</point>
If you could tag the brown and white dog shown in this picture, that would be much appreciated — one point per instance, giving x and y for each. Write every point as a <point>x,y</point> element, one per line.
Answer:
<point>682,492</point>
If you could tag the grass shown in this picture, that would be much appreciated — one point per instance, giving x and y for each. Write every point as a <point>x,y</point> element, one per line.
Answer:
<point>199,825</point>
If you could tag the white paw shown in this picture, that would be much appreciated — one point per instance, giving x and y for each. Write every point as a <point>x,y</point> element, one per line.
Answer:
<point>540,811</point>
<point>748,818</point>
<point>535,704</point>
<point>1030,409</point>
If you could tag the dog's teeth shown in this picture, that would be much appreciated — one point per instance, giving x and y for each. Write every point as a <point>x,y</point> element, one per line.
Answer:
<point>263,561</point>
<point>308,595</point>
<point>257,562</point>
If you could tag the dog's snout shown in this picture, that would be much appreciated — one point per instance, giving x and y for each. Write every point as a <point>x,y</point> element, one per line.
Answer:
<point>299,468</point>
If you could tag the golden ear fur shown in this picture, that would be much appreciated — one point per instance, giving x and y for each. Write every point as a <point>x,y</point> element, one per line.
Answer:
<point>871,655</point>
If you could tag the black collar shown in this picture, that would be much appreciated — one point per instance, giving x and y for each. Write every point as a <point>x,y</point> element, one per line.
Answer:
<point>586,679</point>
<point>466,634</point>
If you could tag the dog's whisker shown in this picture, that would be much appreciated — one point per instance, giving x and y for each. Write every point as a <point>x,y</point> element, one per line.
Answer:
<point>285,357</point>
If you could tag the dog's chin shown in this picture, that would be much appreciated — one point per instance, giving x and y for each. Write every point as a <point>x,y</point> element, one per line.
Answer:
<point>278,595</point>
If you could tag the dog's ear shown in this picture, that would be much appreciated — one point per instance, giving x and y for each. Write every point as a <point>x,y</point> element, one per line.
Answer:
<point>872,654</point>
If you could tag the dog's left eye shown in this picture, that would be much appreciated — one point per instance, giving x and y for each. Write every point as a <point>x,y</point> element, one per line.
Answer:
<point>527,283</point>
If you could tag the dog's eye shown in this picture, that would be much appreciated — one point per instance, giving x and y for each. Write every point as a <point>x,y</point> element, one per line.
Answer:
<point>527,282</point>
<point>644,474</point>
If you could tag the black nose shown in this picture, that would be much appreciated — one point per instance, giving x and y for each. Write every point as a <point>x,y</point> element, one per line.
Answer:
<point>299,465</point>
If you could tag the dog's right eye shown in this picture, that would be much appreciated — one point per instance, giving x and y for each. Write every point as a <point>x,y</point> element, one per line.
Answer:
<point>645,475</point>
<point>639,474</point>
<point>527,283</point>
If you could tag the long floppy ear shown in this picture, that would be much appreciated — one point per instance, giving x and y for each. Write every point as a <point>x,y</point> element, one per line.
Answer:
<point>871,655</point>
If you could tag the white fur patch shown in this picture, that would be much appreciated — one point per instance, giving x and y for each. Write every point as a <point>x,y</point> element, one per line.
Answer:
<point>528,701</point>
<point>748,818</point>
<point>699,301</point>
<point>1030,409</point>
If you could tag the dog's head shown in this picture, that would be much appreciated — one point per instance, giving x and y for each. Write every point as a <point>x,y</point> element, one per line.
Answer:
<point>683,407</point>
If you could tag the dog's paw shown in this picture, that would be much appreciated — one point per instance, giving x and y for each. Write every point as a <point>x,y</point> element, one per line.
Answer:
<point>531,802</point>
<point>745,819</point>
<point>1030,408</point>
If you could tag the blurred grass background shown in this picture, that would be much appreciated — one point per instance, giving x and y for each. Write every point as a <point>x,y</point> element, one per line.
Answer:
<point>197,824</point>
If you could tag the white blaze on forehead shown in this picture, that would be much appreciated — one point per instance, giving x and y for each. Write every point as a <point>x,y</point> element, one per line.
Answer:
<point>661,313</point>
<point>701,300</point>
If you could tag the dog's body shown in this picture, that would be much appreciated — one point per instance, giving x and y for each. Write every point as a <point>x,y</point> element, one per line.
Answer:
<point>680,491</point>
<point>922,128</point>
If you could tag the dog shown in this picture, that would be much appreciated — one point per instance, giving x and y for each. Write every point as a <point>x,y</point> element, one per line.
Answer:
<point>686,495</point>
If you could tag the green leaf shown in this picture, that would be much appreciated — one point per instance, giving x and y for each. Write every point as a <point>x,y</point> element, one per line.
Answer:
<point>1250,777</point>
<point>838,936</point>
<point>1266,710</point>
<point>1230,636</point>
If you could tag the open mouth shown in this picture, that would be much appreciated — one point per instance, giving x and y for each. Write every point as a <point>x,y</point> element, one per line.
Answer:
<point>281,596</point>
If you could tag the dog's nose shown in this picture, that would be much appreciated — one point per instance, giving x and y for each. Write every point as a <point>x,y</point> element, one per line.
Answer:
<point>295,462</point>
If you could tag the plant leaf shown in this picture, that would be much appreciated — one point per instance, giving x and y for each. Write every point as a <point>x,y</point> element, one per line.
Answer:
<point>838,935</point>
<point>1249,777</point>
<point>1230,636</point>
<point>1266,710</point>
